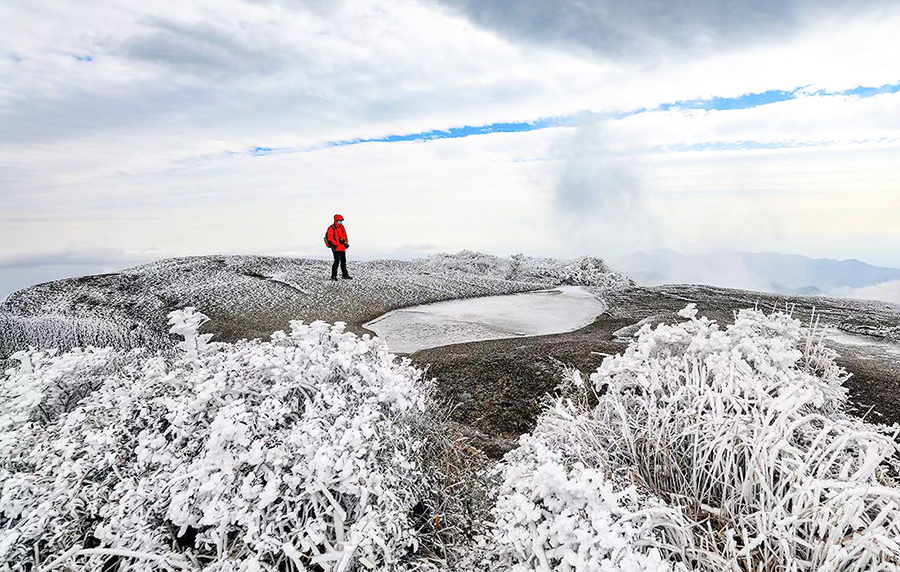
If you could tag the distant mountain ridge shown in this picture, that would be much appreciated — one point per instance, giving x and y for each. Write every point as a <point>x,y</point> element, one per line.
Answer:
<point>766,271</point>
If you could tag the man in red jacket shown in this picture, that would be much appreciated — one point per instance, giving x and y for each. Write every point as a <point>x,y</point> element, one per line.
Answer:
<point>336,239</point>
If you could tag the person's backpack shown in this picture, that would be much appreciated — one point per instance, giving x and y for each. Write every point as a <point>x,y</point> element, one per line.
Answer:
<point>328,242</point>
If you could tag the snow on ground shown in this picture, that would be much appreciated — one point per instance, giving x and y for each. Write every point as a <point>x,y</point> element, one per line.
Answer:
<point>252,296</point>
<point>561,309</point>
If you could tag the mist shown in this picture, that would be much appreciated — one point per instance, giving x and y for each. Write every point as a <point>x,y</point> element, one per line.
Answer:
<point>601,201</point>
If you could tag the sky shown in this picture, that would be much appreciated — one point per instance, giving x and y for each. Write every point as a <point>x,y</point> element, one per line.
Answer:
<point>136,131</point>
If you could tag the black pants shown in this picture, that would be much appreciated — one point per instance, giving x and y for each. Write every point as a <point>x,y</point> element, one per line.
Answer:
<point>339,258</point>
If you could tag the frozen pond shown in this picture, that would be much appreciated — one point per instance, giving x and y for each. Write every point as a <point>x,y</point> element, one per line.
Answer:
<point>561,309</point>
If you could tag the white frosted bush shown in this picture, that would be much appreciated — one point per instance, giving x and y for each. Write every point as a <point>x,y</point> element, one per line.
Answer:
<point>703,448</point>
<point>747,431</point>
<point>299,453</point>
<point>583,271</point>
<point>697,448</point>
<point>558,508</point>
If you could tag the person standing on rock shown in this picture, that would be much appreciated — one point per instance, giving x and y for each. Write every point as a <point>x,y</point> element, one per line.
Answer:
<point>336,240</point>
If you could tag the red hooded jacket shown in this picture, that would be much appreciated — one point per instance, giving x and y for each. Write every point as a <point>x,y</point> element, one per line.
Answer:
<point>336,233</point>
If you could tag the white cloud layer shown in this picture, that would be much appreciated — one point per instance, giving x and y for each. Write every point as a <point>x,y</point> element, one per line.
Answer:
<point>886,292</point>
<point>127,126</point>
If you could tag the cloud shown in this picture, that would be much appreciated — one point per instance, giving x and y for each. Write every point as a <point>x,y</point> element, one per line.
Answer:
<point>886,292</point>
<point>600,199</point>
<point>659,29</point>
<point>789,123</point>
<point>87,257</point>
<point>725,269</point>
<point>205,49</point>
<point>146,145</point>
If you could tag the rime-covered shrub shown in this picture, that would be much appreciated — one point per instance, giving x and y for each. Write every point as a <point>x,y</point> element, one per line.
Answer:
<point>560,508</point>
<point>53,329</point>
<point>583,271</point>
<point>745,428</point>
<point>298,453</point>
<point>45,385</point>
<point>464,261</point>
<point>703,448</point>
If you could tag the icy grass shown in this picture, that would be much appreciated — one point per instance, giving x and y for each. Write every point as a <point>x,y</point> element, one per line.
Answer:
<point>59,330</point>
<point>709,449</point>
<point>306,452</point>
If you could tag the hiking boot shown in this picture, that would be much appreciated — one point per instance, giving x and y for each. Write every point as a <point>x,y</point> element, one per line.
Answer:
<point>347,277</point>
<point>334,278</point>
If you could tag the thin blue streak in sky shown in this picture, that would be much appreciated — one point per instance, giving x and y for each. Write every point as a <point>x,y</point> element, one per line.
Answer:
<point>269,150</point>
<point>465,131</point>
<point>452,133</point>
<point>750,100</point>
<point>731,146</point>
<point>745,101</point>
<point>870,91</point>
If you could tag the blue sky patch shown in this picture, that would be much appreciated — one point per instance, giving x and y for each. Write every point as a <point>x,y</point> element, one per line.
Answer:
<point>746,101</point>
<point>265,150</point>
<point>452,133</point>
<point>749,100</point>
<point>870,91</point>
<point>464,131</point>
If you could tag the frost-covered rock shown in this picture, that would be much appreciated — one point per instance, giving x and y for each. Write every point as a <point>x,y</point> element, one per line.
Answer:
<point>245,456</point>
<point>252,296</point>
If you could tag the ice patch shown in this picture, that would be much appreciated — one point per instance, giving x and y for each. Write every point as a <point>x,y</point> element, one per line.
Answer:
<point>555,311</point>
<point>871,343</point>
